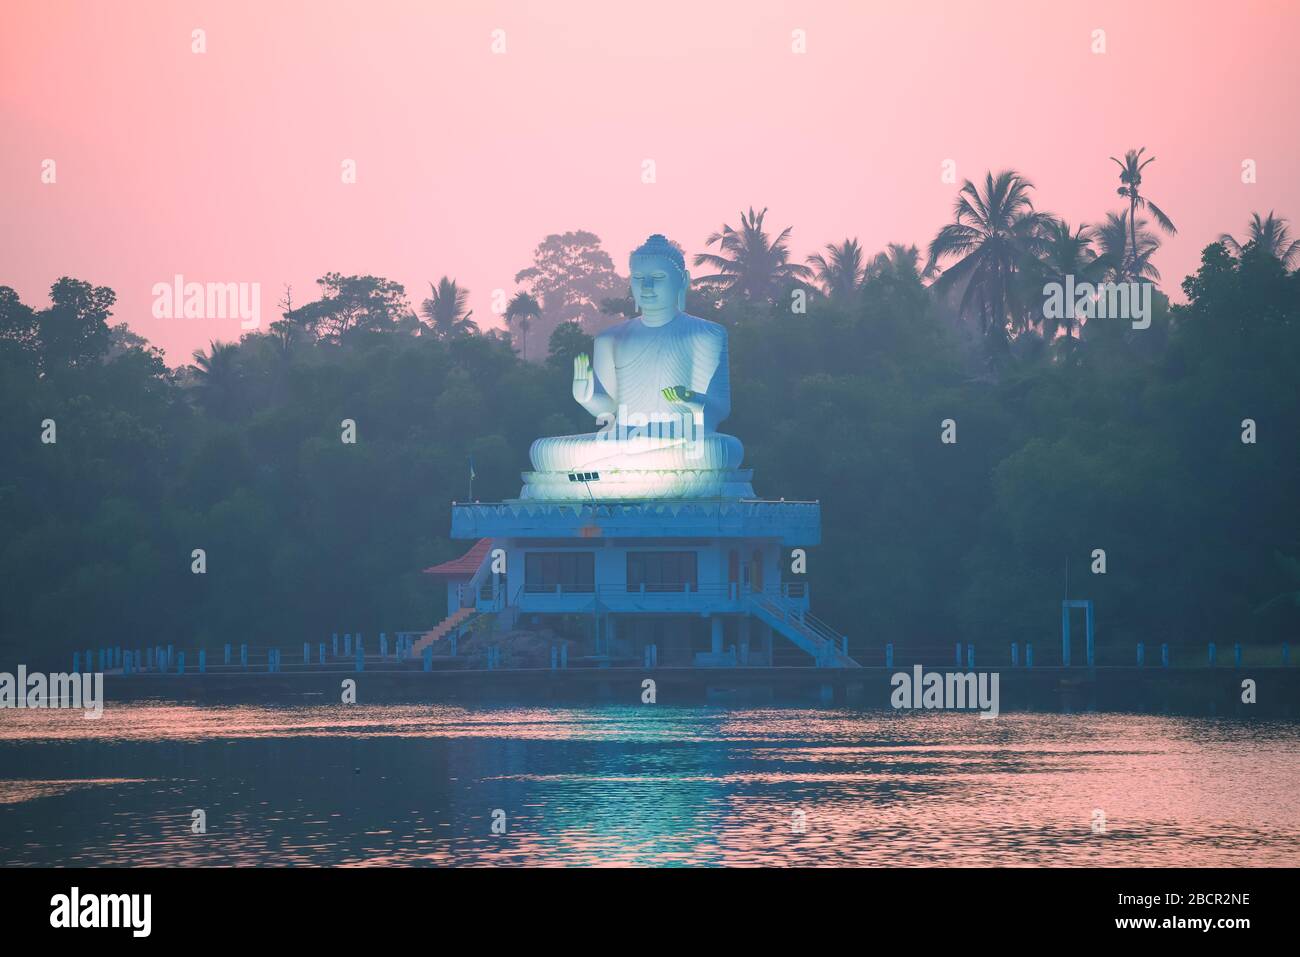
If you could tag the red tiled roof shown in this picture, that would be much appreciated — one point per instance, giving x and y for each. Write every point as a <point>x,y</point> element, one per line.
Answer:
<point>467,564</point>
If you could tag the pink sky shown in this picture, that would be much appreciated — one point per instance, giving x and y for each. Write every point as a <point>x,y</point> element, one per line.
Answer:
<point>225,166</point>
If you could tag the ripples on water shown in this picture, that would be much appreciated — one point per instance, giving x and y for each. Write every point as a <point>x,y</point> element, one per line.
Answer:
<point>417,784</point>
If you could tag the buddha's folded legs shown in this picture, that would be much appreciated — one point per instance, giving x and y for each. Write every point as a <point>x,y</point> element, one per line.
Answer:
<point>594,451</point>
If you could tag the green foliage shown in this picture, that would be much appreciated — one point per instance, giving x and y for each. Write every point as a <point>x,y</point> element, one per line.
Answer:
<point>1127,441</point>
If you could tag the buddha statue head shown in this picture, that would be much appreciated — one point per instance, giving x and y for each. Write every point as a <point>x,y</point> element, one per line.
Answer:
<point>659,280</point>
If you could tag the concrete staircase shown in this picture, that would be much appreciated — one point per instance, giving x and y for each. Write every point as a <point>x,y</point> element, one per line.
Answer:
<point>443,628</point>
<point>809,634</point>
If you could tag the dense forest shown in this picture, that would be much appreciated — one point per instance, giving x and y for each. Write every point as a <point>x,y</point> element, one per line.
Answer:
<point>1072,434</point>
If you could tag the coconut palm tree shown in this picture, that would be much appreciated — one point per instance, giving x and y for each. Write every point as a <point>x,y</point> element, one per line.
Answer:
<point>216,376</point>
<point>750,264</point>
<point>840,271</point>
<point>521,312</point>
<point>898,260</point>
<point>445,312</point>
<point>1065,253</point>
<point>1114,239</point>
<point>1130,178</point>
<point>1271,234</point>
<point>995,232</point>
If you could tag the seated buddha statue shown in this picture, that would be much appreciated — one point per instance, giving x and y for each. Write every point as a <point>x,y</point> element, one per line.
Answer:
<point>657,384</point>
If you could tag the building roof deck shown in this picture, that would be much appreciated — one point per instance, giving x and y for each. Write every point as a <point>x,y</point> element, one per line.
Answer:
<point>794,523</point>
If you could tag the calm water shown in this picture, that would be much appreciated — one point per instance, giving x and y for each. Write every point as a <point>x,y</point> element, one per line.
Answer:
<point>418,784</point>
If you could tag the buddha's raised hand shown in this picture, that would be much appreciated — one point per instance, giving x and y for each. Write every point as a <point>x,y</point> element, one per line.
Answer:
<point>584,383</point>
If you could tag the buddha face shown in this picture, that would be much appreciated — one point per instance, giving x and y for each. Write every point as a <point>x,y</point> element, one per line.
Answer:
<point>658,287</point>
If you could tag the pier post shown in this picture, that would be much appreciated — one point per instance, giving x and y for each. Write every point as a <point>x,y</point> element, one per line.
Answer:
<point>203,661</point>
<point>148,663</point>
<point>171,654</point>
<point>654,655</point>
<point>383,645</point>
<point>564,656</point>
<point>1029,655</point>
<point>306,653</point>
<point>243,656</point>
<point>1141,654</point>
<point>970,656</point>
<point>1211,654</point>
<point>347,645</point>
<point>226,660</point>
<point>1065,635</point>
<point>646,656</point>
<point>1015,654</point>
<point>1236,654</point>
<point>180,663</point>
<point>126,663</point>
<point>1164,656</point>
<point>1092,658</point>
<point>335,650</point>
<point>889,655</point>
<point>270,659</point>
<point>322,652</point>
<point>428,659</point>
<point>360,649</point>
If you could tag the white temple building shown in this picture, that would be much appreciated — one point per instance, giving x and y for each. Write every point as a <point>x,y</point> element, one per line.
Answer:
<point>646,531</point>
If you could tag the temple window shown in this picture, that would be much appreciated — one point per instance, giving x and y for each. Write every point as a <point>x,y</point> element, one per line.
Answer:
<point>560,572</point>
<point>662,571</point>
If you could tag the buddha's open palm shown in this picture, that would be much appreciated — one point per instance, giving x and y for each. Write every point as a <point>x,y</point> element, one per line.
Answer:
<point>584,383</point>
<point>684,400</point>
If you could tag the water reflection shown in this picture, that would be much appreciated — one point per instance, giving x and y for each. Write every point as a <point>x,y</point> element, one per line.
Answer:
<point>417,784</point>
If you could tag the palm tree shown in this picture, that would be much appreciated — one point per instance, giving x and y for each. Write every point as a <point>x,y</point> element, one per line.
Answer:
<point>1271,234</point>
<point>898,260</point>
<point>216,376</point>
<point>1065,253</point>
<point>752,266</point>
<point>841,270</point>
<point>521,312</point>
<point>1130,177</point>
<point>994,233</point>
<point>1114,238</point>
<point>445,310</point>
